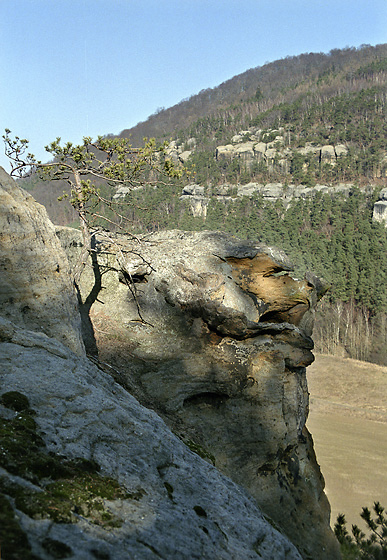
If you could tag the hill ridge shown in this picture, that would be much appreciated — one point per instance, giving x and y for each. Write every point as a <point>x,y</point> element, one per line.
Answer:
<point>269,78</point>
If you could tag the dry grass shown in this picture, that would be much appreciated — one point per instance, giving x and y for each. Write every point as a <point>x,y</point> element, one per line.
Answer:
<point>348,421</point>
<point>342,384</point>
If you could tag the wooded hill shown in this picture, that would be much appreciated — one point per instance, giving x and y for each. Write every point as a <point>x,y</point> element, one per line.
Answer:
<point>314,99</point>
<point>294,107</point>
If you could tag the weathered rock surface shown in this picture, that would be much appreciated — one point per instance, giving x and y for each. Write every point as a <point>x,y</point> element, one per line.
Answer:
<point>217,339</point>
<point>176,505</point>
<point>271,147</point>
<point>85,470</point>
<point>274,148</point>
<point>36,290</point>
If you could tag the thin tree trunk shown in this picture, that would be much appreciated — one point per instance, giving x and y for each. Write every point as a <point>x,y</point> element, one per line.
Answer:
<point>86,235</point>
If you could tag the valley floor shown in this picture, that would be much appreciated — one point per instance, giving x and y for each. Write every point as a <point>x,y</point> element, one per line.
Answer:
<point>348,422</point>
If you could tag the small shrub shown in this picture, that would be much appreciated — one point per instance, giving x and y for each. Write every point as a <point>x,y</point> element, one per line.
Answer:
<point>358,546</point>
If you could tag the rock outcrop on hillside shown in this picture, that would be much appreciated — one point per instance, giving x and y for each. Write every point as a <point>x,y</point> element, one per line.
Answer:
<point>270,146</point>
<point>380,208</point>
<point>214,334</point>
<point>198,198</point>
<point>85,470</point>
<point>274,152</point>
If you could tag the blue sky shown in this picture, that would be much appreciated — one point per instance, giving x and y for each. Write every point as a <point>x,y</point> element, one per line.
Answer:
<point>72,68</point>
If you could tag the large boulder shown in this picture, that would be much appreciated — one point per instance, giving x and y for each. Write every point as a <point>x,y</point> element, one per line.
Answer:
<point>214,333</point>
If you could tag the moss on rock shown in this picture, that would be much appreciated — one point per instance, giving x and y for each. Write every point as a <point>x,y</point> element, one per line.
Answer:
<point>64,489</point>
<point>13,541</point>
<point>64,500</point>
<point>199,450</point>
<point>15,401</point>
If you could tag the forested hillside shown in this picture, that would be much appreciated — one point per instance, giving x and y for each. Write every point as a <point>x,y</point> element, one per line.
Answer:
<point>314,99</point>
<point>311,119</point>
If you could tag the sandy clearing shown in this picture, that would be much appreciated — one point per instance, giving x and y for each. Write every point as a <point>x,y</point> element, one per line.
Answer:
<point>348,421</point>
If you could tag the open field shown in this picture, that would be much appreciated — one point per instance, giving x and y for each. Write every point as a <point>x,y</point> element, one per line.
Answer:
<point>348,421</point>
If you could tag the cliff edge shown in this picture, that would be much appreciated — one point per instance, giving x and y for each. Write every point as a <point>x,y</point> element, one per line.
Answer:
<point>86,471</point>
<point>213,333</point>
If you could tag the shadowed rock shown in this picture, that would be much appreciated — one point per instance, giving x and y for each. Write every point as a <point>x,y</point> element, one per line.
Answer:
<point>171,503</point>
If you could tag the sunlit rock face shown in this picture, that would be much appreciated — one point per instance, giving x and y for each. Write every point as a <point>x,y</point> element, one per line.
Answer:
<point>36,290</point>
<point>215,334</point>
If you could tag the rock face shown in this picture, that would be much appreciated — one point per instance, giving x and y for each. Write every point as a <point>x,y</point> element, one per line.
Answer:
<point>269,147</point>
<point>273,147</point>
<point>217,339</point>
<point>193,195</point>
<point>169,502</point>
<point>267,151</point>
<point>380,208</point>
<point>85,470</point>
<point>36,290</point>
<point>197,200</point>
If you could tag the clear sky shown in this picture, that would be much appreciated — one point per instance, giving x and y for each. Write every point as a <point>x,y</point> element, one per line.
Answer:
<point>74,68</point>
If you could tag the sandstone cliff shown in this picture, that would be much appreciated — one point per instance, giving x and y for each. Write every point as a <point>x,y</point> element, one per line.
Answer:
<point>272,149</point>
<point>271,146</point>
<point>85,470</point>
<point>380,208</point>
<point>89,473</point>
<point>197,197</point>
<point>36,291</point>
<point>214,334</point>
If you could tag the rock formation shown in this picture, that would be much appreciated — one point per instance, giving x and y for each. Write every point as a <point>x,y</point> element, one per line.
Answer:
<point>380,208</point>
<point>214,334</point>
<point>88,472</point>
<point>85,470</point>
<point>36,291</point>
<point>210,332</point>
<point>270,146</point>
<point>198,200</point>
